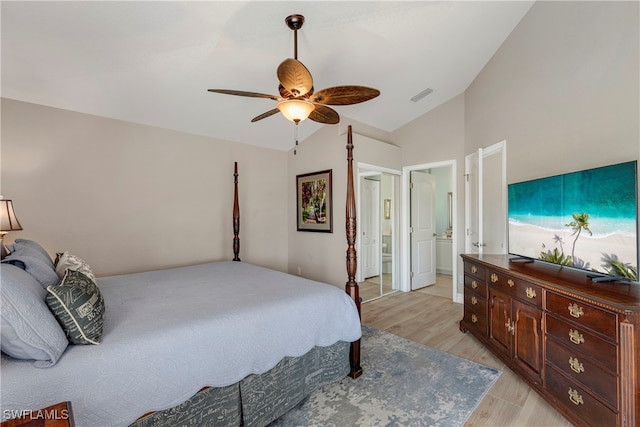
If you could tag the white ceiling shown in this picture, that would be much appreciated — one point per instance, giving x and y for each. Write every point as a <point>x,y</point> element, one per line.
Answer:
<point>152,62</point>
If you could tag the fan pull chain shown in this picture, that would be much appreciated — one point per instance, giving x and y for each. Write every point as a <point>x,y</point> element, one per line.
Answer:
<point>295,136</point>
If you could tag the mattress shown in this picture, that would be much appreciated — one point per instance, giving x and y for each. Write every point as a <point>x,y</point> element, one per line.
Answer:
<point>169,333</point>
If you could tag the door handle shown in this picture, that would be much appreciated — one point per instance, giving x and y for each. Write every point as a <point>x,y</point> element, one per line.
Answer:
<point>478,244</point>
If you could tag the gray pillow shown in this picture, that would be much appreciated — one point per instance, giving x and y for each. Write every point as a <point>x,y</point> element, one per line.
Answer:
<point>28,329</point>
<point>32,258</point>
<point>79,307</point>
<point>30,244</point>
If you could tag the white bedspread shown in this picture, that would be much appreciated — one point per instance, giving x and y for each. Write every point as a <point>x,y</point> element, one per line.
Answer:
<point>168,333</point>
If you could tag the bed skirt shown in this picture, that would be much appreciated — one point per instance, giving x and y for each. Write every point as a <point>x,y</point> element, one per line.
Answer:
<point>258,400</point>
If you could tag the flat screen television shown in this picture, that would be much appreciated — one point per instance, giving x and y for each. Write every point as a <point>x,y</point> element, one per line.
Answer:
<point>586,220</point>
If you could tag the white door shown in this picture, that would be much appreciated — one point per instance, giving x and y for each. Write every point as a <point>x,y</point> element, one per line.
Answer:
<point>473,203</point>
<point>423,253</point>
<point>486,201</point>
<point>370,226</point>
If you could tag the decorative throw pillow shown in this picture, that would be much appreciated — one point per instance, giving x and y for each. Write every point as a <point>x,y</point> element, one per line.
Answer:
<point>34,262</point>
<point>28,329</point>
<point>65,261</point>
<point>79,307</point>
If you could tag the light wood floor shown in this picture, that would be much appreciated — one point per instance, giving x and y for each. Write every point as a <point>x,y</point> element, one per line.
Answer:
<point>442,288</point>
<point>370,289</point>
<point>433,320</point>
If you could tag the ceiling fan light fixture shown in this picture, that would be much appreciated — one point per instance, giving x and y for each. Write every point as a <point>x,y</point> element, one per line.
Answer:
<point>297,100</point>
<point>295,110</point>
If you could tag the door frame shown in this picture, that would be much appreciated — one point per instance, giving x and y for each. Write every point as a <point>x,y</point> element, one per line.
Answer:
<point>405,238</point>
<point>494,149</point>
<point>366,169</point>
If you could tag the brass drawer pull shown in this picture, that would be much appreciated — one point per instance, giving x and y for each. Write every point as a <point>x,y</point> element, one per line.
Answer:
<point>474,284</point>
<point>494,277</point>
<point>474,300</point>
<point>575,398</point>
<point>531,293</point>
<point>474,269</point>
<point>576,337</point>
<point>576,366</point>
<point>511,326</point>
<point>575,310</point>
<point>511,283</point>
<point>474,318</point>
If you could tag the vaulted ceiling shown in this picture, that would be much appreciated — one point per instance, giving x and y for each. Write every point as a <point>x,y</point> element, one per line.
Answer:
<point>151,62</point>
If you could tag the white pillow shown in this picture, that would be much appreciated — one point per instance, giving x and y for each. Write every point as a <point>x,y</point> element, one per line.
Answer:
<point>66,261</point>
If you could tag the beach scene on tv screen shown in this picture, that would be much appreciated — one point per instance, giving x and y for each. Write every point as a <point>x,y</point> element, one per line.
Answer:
<point>585,219</point>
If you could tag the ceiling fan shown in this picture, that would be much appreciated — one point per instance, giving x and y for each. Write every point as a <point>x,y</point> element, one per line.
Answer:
<point>297,100</point>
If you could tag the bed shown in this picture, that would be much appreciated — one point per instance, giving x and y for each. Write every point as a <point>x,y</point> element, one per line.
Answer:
<point>233,344</point>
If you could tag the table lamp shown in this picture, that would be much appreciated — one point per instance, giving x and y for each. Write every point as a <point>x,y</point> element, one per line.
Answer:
<point>8,222</point>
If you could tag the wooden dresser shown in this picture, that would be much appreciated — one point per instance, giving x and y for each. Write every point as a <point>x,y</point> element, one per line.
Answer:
<point>576,342</point>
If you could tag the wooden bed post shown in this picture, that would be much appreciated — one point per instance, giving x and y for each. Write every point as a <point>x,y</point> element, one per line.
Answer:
<point>236,215</point>
<point>352,261</point>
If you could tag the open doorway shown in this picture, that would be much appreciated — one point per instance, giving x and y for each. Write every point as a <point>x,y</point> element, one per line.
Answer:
<point>428,232</point>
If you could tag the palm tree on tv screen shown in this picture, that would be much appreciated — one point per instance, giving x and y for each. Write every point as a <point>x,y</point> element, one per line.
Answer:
<point>580,222</point>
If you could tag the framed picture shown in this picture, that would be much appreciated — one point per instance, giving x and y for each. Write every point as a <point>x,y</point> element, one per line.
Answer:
<point>387,208</point>
<point>314,202</point>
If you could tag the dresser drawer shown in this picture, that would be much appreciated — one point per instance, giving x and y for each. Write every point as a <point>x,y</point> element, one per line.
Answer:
<point>583,370</point>
<point>474,301</point>
<point>516,288</point>
<point>587,315</point>
<point>577,400</point>
<point>474,269</point>
<point>582,342</point>
<point>476,285</point>
<point>476,321</point>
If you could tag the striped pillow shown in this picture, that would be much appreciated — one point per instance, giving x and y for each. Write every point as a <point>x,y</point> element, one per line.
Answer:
<point>78,306</point>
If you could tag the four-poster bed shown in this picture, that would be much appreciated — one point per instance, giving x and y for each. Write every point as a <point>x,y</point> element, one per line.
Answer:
<point>253,341</point>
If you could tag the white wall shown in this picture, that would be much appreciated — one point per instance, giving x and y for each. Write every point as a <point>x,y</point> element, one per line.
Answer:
<point>322,256</point>
<point>562,90</point>
<point>129,197</point>
<point>438,136</point>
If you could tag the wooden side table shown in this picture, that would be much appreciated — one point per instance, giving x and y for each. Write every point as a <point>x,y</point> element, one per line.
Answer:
<point>58,415</point>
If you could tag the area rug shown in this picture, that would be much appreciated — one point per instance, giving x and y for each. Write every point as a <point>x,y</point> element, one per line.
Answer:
<point>404,384</point>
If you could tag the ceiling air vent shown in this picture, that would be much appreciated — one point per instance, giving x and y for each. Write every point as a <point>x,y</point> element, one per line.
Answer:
<point>422,94</point>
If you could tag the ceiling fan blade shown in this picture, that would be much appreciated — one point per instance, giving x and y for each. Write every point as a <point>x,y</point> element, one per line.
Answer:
<point>265,115</point>
<point>243,93</point>
<point>344,95</point>
<point>324,114</point>
<point>295,77</point>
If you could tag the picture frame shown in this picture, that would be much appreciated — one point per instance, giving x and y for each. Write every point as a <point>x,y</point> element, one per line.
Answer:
<point>387,208</point>
<point>314,201</point>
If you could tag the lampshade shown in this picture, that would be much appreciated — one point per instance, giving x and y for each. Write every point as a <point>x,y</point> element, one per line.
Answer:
<point>295,110</point>
<point>8,220</point>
